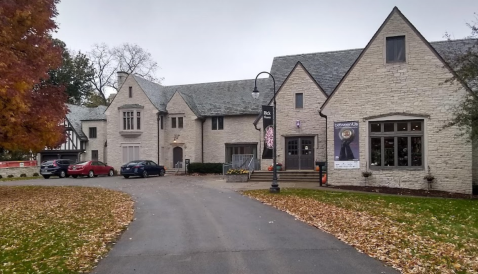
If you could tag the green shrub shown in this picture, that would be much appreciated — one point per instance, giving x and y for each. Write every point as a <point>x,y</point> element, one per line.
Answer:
<point>23,175</point>
<point>205,168</point>
<point>36,174</point>
<point>10,176</point>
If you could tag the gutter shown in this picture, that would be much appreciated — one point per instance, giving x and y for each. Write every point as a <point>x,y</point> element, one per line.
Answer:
<point>326,139</point>
<point>158,124</point>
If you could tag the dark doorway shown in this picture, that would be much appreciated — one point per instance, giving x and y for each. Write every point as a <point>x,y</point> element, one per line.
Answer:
<point>177,157</point>
<point>299,153</point>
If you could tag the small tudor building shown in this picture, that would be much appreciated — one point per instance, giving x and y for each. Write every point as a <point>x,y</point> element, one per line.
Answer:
<point>381,109</point>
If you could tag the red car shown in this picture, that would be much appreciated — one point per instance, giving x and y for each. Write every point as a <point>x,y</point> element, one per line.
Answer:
<point>90,169</point>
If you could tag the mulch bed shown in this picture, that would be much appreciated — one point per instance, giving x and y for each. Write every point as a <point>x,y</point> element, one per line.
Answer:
<point>408,192</point>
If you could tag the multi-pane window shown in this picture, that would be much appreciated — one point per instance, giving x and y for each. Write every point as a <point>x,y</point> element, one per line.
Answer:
<point>396,143</point>
<point>299,100</point>
<point>395,49</point>
<point>240,149</point>
<point>180,122</point>
<point>92,132</point>
<point>129,118</point>
<point>173,122</point>
<point>130,153</point>
<point>94,155</point>
<point>130,92</point>
<point>218,123</point>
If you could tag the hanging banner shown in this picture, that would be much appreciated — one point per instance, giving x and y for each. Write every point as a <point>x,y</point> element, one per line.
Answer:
<point>268,126</point>
<point>346,145</point>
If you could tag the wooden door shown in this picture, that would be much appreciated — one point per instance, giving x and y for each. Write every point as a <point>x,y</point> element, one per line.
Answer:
<point>292,153</point>
<point>299,153</point>
<point>177,157</point>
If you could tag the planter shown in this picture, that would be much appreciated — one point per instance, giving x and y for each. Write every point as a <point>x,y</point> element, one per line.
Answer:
<point>237,178</point>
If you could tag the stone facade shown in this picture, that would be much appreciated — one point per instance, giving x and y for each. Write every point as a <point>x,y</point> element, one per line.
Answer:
<point>97,143</point>
<point>311,124</point>
<point>147,139</point>
<point>188,137</point>
<point>237,130</point>
<point>376,88</point>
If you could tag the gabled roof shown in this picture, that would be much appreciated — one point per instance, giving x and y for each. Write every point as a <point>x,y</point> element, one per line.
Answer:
<point>81,113</point>
<point>328,68</point>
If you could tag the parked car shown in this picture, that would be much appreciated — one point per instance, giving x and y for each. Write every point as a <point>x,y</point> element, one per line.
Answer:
<point>90,169</point>
<point>58,167</point>
<point>142,168</point>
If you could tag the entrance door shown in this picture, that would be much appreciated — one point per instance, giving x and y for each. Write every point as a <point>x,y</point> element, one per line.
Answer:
<point>299,153</point>
<point>177,157</point>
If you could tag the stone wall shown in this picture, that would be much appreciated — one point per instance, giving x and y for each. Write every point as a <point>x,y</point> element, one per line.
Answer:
<point>147,140</point>
<point>188,137</point>
<point>376,88</point>
<point>311,124</point>
<point>237,130</point>
<point>17,171</point>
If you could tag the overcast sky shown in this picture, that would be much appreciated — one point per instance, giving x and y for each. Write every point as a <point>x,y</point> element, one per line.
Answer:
<point>198,41</point>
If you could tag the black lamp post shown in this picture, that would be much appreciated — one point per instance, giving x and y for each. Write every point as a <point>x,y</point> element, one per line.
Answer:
<point>255,94</point>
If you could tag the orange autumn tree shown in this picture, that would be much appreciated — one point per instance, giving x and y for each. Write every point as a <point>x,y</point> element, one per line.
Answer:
<point>31,111</point>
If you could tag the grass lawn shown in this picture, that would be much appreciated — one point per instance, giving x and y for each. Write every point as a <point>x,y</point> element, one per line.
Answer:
<point>414,235</point>
<point>59,229</point>
<point>19,179</point>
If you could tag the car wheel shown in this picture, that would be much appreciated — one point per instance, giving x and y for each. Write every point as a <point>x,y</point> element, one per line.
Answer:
<point>145,174</point>
<point>161,172</point>
<point>62,174</point>
<point>126,176</point>
<point>74,176</point>
<point>46,176</point>
<point>91,174</point>
<point>111,173</point>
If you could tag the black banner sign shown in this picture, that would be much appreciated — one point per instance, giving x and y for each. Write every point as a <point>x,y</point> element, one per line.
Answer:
<point>268,126</point>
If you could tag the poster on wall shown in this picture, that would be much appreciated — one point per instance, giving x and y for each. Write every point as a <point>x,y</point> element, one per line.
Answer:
<point>346,145</point>
<point>268,126</point>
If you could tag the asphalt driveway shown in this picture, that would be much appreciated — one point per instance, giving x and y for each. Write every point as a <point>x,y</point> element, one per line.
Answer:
<point>200,225</point>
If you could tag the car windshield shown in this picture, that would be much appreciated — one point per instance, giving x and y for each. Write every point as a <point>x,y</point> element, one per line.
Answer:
<point>47,163</point>
<point>134,163</point>
<point>81,163</point>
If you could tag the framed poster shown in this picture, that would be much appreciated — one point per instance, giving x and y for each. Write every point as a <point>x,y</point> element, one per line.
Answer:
<point>346,145</point>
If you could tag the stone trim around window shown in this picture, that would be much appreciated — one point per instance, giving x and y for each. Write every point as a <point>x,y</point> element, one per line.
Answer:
<point>396,144</point>
<point>131,122</point>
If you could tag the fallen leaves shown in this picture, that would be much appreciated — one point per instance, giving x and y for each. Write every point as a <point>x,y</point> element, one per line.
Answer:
<point>401,244</point>
<point>59,229</point>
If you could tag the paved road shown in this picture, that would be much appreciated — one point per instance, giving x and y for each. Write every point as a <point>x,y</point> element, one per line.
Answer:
<point>201,225</point>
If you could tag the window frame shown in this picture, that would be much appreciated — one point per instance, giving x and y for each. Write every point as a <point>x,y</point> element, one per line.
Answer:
<point>217,123</point>
<point>173,122</point>
<point>301,100</point>
<point>395,60</point>
<point>130,92</point>
<point>93,153</point>
<point>180,122</point>
<point>92,133</point>
<point>131,122</point>
<point>395,134</point>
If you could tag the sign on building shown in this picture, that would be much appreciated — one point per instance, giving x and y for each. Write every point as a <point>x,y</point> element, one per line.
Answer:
<point>346,145</point>
<point>268,126</point>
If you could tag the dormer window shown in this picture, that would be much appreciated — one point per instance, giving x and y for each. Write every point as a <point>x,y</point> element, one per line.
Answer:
<point>395,49</point>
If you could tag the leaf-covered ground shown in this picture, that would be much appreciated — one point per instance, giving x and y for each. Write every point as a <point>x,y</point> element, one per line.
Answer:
<point>414,235</point>
<point>59,229</point>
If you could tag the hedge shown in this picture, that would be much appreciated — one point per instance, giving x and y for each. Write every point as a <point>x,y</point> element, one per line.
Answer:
<point>205,168</point>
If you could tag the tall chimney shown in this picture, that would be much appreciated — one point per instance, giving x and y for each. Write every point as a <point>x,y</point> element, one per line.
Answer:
<point>121,78</point>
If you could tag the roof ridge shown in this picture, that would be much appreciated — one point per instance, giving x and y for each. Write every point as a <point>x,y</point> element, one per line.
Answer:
<point>215,82</point>
<point>312,53</point>
<point>453,40</point>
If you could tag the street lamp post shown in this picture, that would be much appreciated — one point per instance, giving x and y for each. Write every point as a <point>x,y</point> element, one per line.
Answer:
<point>255,94</point>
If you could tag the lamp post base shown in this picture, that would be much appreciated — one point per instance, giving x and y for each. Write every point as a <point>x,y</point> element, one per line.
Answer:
<point>274,189</point>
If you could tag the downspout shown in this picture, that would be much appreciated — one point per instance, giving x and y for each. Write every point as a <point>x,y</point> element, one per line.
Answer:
<point>326,155</point>
<point>202,139</point>
<point>159,117</point>
<point>259,151</point>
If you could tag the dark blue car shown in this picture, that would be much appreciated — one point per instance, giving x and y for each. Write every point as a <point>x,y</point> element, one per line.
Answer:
<point>142,168</point>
